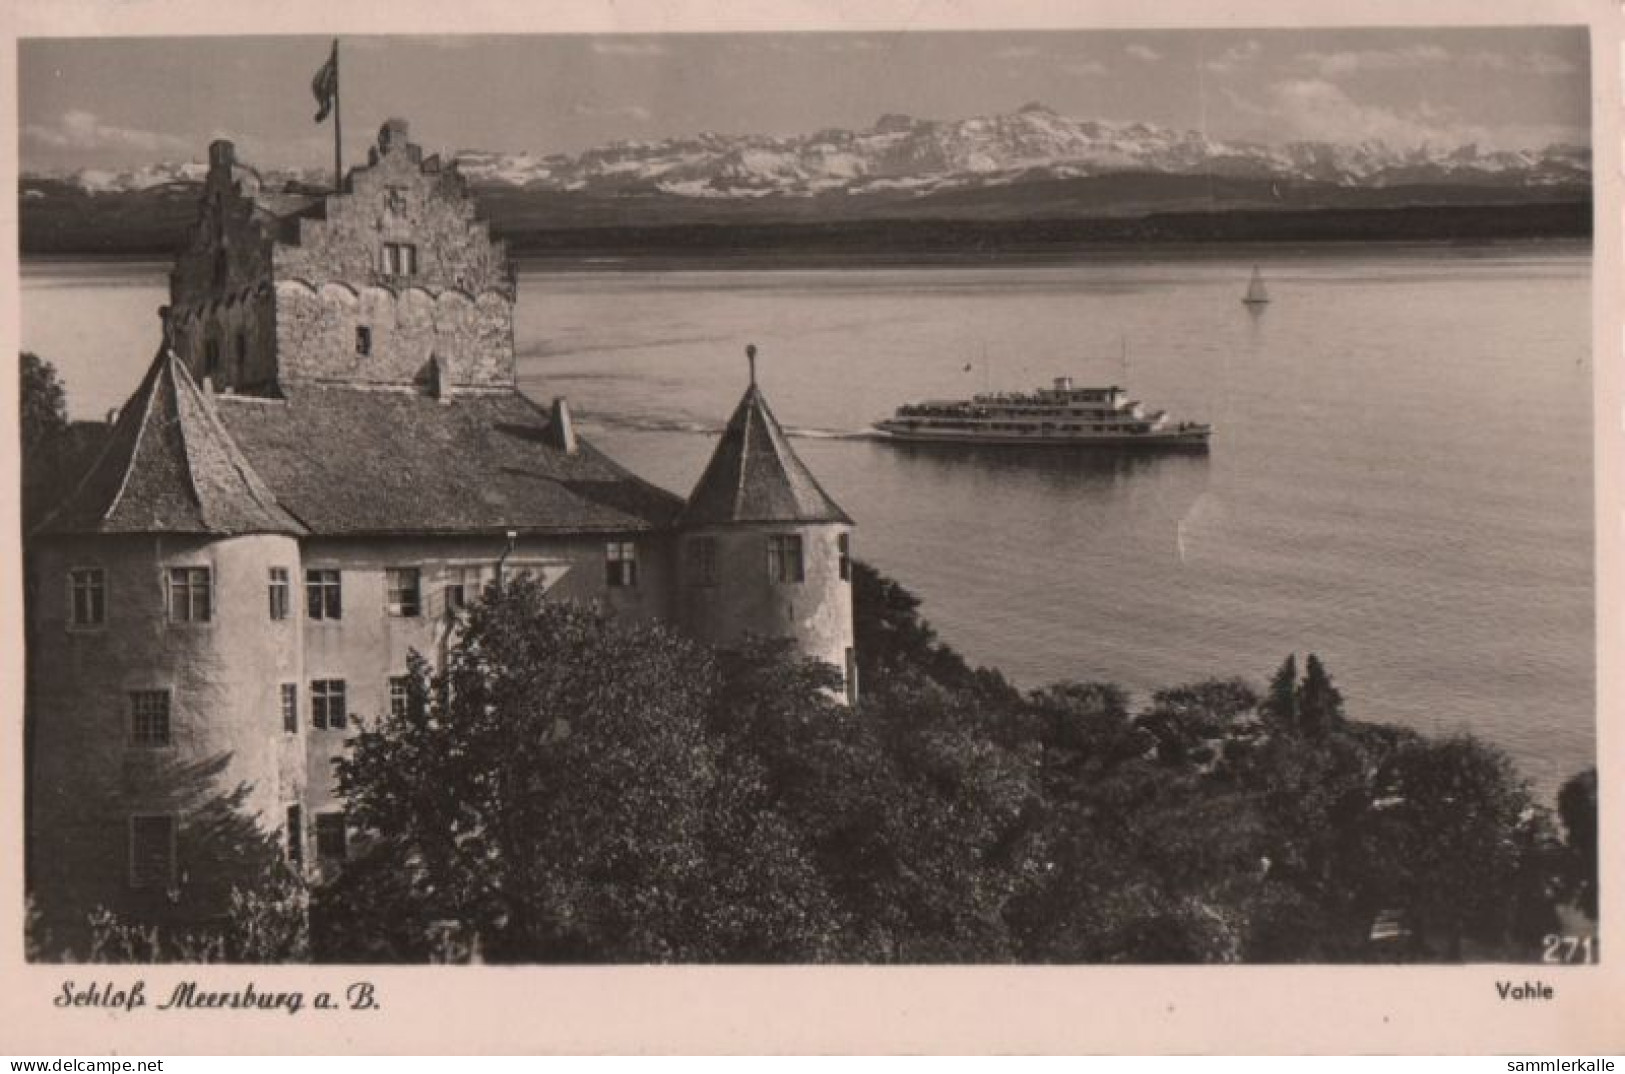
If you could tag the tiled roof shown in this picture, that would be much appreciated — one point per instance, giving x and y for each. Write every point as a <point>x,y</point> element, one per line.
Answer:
<point>754,476</point>
<point>170,466</point>
<point>350,460</point>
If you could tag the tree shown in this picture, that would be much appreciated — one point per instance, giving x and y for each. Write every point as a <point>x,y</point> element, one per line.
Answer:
<point>1577,808</point>
<point>44,427</point>
<point>1320,706</point>
<point>1453,841</point>
<point>1281,702</point>
<point>547,792</point>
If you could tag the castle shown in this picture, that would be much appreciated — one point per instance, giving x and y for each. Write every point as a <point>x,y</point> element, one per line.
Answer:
<point>328,457</point>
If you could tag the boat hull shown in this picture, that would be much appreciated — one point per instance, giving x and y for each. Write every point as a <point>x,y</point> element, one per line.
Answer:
<point>1193,439</point>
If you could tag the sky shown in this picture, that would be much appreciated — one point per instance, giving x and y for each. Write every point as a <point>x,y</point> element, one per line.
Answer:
<point>115,103</point>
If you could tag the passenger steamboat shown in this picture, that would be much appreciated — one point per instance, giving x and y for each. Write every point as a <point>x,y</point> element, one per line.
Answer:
<point>1061,416</point>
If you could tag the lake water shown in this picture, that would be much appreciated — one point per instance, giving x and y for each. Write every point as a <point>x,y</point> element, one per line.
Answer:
<point>1400,476</point>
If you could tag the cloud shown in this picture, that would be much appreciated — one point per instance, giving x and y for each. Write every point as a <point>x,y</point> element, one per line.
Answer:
<point>1016,52</point>
<point>1143,53</point>
<point>612,111</point>
<point>1413,57</point>
<point>1312,109</point>
<point>1086,68</point>
<point>1355,61</point>
<point>1542,64</point>
<point>84,131</point>
<point>1235,58</point>
<point>614,47</point>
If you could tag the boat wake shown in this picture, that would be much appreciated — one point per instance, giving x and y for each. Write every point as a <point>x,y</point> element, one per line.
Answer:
<point>655,423</point>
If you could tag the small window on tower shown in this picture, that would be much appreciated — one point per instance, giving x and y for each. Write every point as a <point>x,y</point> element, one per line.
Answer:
<point>278,589</point>
<point>296,836</point>
<point>327,707</point>
<point>191,598</point>
<point>332,841</point>
<point>843,545</point>
<point>290,708</point>
<point>152,851</point>
<point>324,593</point>
<point>404,591</point>
<point>400,696</point>
<point>784,563</point>
<point>702,561</point>
<point>621,563</point>
<point>89,596</point>
<point>149,718</point>
<point>399,259</point>
<point>363,340</point>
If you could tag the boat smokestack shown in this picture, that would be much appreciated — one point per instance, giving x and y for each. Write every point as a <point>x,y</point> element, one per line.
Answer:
<point>1063,384</point>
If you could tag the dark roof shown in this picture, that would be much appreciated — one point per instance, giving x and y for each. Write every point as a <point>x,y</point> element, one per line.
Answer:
<point>279,212</point>
<point>754,476</point>
<point>351,460</point>
<point>169,466</point>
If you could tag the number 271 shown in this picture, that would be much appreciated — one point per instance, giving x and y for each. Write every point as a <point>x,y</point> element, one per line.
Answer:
<point>1569,949</point>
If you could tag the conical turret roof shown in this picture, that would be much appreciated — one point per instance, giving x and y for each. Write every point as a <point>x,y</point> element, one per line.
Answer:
<point>755,476</point>
<point>170,466</point>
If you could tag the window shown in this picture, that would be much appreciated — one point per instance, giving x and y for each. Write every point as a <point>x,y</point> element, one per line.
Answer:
<point>296,836</point>
<point>211,357</point>
<point>363,340</point>
<point>327,704</point>
<point>190,600</point>
<point>400,696</point>
<point>843,546</point>
<point>88,589</point>
<point>621,563</point>
<point>403,592</point>
<point>324,597</point>
<point>290,708</point>
<point>462,587</point>
<point>400,259</point>
<point>332,843</point>
<point>152,851</point>
<point>149,718</point>
<point>702,561</point>
<point>784,558</point>
<point>278,588</point>
<point>242,348</point>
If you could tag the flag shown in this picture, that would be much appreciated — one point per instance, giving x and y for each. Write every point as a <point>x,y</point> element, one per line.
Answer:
<point>326,83</point>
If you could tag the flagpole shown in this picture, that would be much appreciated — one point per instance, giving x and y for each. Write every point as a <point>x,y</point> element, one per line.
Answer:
<point>338,129</point>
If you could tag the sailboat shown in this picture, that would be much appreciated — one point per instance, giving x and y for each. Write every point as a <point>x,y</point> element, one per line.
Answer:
<point>1256,294</point>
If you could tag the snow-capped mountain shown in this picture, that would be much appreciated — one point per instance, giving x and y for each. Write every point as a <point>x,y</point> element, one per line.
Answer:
<point>901,153</point>
<point>904,155</point>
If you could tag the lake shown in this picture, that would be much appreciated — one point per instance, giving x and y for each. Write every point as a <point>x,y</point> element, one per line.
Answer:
<point>1400,477</point>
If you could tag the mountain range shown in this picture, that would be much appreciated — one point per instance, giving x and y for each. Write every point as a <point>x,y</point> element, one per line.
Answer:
<point>902,154</point>
<point>967,184</point>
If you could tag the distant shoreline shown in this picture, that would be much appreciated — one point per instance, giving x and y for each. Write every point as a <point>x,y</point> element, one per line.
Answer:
<point>908,242</point>
<point>724,261</point>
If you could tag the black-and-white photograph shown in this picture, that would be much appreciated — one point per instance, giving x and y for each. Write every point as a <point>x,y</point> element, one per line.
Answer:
<point>1065,497</point>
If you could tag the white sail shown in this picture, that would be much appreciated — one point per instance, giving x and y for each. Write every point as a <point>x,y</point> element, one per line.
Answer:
<point>1256,294</point>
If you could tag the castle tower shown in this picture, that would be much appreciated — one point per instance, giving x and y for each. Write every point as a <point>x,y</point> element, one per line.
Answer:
<point>160,744</point>
<point>763,549</point>
<point>392,281</point>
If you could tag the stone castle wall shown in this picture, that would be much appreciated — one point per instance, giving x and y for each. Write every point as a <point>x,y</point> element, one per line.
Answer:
<point>815,614</point>
<point>228,770</point>
<point>316,334</point>
<point>367,646</point>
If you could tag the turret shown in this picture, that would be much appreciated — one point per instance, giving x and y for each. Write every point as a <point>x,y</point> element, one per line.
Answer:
<point>165,631</point>
<point>763,549</point>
